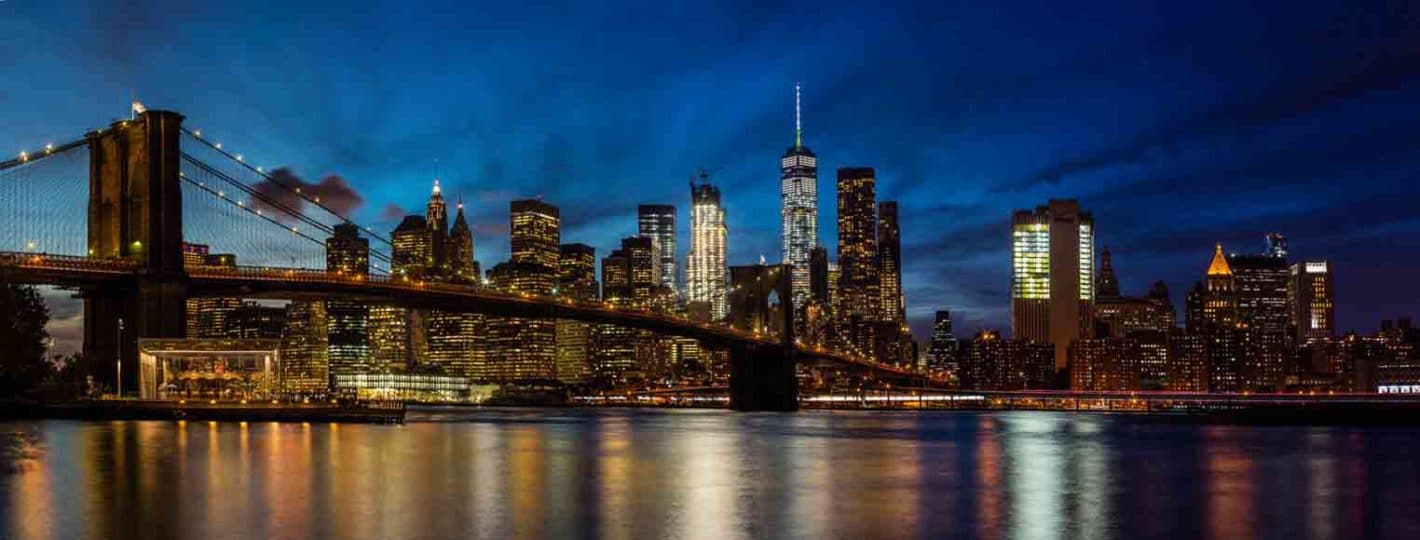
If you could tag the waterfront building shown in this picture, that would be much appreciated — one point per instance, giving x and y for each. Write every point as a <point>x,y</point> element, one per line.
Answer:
<point>348,254</point>
<point>1260,288</point>
<point>1052,275</point>
<point>706,267</point>
<point>207,317</point>
<point>798,192</point>
<point>305,360</point>
<point>521,349</point>
<point>657,222</point>
<point>255,321</point>
<point>1309,299</point>
<point>577,280</point>
<point>942,354</point>
<point>858,280</point>
<point>1104,364</point>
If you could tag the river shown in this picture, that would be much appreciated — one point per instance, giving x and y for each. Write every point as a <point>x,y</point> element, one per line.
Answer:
<point>625,473</point>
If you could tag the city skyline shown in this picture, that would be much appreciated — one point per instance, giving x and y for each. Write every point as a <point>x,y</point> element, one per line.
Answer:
<point>954,255</point>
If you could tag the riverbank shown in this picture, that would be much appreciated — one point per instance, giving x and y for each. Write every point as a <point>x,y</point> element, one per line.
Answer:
<point>222,411</point>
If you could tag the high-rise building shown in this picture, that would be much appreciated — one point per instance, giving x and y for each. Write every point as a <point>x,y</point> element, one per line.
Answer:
<point>521,349</point>
<point>255,321</point>
<point>576,279</point>
<point>1309,297</point>
<point>305,361</point>
<point>942,354</point>
<point>657,222</point>
<point>462,267</point>
<point>893,306</point>
<point>798,192</point>
<point>819,282</point>
<point>1260,288</point>
<point>397,335</point>
<point>1104,364</point>
<point>858,281</point>
<point>706,269</point>
<point>1106,283</point>
<point>207,317</point>
<point>412,253</point>
<point>347,322</point>
<point>1052,275</point>
<point>437,218</point>
<point>536,233</point>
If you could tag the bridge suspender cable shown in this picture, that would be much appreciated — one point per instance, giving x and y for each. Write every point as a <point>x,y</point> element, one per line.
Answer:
<point>297,192</point>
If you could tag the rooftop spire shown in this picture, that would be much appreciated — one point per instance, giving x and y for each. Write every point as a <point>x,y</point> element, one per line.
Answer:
<point>798,124</point>
<point>1219,266</point>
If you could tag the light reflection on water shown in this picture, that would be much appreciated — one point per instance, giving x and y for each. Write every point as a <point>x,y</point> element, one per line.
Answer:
<point>707,474</point>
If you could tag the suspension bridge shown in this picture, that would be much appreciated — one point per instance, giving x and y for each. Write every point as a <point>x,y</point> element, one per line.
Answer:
<point>149,185</point>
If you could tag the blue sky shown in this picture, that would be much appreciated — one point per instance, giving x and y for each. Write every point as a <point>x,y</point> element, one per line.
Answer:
<point>1177,124</point>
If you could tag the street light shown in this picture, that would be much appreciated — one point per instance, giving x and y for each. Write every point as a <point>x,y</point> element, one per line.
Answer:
<point>119,358</point>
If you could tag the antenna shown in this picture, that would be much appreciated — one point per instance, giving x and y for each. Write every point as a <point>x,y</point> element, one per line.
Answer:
<point>798,124</point>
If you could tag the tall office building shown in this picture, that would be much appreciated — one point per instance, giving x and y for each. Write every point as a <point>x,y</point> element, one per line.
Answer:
<point>1260,288</point>
<point>397,334</point>
<point>1213,314</point>
<point>706,269</point>
<point>519,348</point>
<point>1052,275</point>
<point>305,360</point>
<point>347,322</point>
<point>436,215</point>
<point>535,228</point>
<point>819,283</point>
<point>1309,297</point>
<point>858,281</point>
<point>893,306</point>
<point>657,222</point>
<point>412,253</point>
<point>798,192</point>
<point>1106,283</point>
<point>207,317</point>
<point>624,353</point>
<point>462,267</point>
<point>942,354</point>
<point>576,279</point>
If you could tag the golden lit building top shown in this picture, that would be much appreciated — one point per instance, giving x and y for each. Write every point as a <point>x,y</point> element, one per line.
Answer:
<point>1219,266</point>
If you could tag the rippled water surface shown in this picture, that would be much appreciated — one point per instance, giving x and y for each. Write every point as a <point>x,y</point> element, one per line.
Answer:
<point>707,474</point>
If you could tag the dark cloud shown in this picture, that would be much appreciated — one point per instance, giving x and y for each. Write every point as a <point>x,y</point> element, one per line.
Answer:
<point>332,191</point>
<point>392,213</point>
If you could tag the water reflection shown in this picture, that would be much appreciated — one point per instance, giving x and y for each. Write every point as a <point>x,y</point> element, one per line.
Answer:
<point>706,474</point>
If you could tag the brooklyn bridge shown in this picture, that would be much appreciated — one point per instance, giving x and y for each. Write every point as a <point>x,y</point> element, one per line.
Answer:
<point>107,215</point>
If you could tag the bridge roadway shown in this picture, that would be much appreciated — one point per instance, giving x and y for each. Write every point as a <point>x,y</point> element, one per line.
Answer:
<point>292,284</point>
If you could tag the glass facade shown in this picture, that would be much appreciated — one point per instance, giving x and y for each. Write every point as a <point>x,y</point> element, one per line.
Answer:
<point>706,265</point>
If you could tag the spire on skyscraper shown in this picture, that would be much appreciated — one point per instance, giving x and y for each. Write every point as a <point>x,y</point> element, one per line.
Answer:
<point>1219,266</point>
<point>798,124</point>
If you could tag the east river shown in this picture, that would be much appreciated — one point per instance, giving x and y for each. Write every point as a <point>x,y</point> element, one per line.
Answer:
<point>622,473</point>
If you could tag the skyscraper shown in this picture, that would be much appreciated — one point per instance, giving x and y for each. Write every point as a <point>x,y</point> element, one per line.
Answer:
<point>576,279</point>
<point>858,282</point>
<point>346,322</point>
<point>436,216</point>
<point>798,191</point>
<point>657,222</point>
<point>1309,296</point>
<point>1052,275</point>
<point>305,361</point>
<point>942,354</point>
<point>705,265</point>
<point>1260,283</point>
<point>627,273</point>
<point>1106,284</point>
<point>456,342</point>
<point>535,229</point>
<point>890,263</point>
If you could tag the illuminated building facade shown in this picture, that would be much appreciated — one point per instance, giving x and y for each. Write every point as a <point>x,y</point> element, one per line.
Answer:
<point>1104,364</point>
<point>455,343</point>
<point>858,281</point>
<point>1052,275</point>
<point>521,349</point>
<point>207,317</point>
<point>798,192</point>
<point>255,321</point>
<point>347,322</point>
<point>576,279</point>
<point>1260,288</point>
<point>436,215</point>
<point>942,354</point>
<point>892,304</point>
<point>1309,298</point>
<point>305,360</point>
<point>536,233</point>
<point>628,281</point>
<point>706,267</point>
<point>657,222</point>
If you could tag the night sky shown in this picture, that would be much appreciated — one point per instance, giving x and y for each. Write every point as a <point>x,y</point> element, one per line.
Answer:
<point>1177,125</point>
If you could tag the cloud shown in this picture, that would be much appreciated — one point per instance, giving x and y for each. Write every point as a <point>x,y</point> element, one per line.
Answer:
<point>276,195</point>
<point>392,213</point>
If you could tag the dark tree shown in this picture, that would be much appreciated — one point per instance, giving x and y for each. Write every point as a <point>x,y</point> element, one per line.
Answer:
<point>23,317</point>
